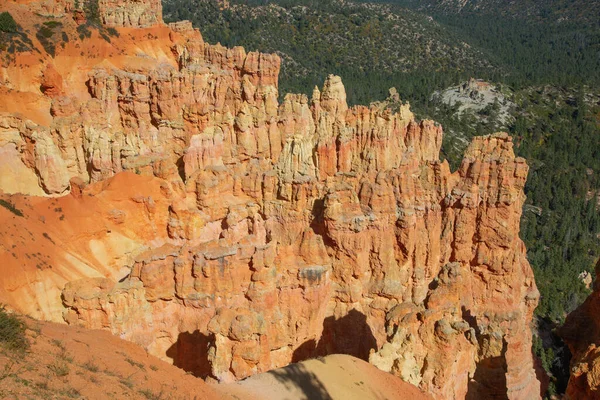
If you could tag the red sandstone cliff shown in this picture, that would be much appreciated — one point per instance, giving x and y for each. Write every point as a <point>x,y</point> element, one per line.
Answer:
<point>259,233</point>
<point>581,332</point>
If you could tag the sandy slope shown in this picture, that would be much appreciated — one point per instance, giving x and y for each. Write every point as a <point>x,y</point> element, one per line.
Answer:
<point>333,377</point>
<point>65,362</point>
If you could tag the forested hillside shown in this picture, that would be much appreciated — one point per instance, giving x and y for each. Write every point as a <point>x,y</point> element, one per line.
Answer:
<point>543,55</point>
<point>532,11</point>
<point>370,45</point>
<point>539,41</point>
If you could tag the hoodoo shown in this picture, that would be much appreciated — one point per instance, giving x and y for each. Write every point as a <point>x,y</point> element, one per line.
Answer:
<point>168,197</point>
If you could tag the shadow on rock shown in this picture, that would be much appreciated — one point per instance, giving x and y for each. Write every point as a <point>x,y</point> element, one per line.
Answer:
<point>350,335</point>
<point>190,353</point>
<point>489,380</point>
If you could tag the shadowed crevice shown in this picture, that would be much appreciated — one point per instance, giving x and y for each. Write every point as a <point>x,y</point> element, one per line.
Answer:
<point>489,379</point>
<point>190,353</point>
<point>350,335</point>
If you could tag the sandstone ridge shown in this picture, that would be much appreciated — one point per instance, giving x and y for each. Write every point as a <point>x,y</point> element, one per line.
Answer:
<point>232,234</point>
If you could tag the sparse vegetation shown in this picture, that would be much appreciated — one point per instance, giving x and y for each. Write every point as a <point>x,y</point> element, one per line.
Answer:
<point>58,343</point>
<point>150,395</point>
<point>59,368</point>
<point>135,364</point>
<point>50,34</point>
<point>127,382</point>
<point>44,32</point>
<point>112,32</point>
<point>11,207</point>
<point>11,368</point>
<point>91,366</point>
<point>71,393</point>
<point>13,39</point>
<point>52,24</point>
<point>65,356</point>
<point>92,15</point>
<point>43,385</point>
<point>104,35</point>
<point>45,234</point>
<point>92,12</point>
<point>12,332</point>
<point>84,31</point>
<point>64,363</point>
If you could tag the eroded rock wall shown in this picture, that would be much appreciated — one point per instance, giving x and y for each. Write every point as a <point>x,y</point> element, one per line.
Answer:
<point>111,13</point>
<point>287,230</point>
<point>130,13</point>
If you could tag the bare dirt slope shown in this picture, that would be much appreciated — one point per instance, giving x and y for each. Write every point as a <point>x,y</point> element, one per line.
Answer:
<point>64,362</point>
<point>333,377</point>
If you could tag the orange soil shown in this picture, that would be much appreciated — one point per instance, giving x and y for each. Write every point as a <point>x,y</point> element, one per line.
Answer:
<point>66,362</point>
<point>69,243</point>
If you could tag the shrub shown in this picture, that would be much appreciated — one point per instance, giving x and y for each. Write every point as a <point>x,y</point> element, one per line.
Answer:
<point>71,393</point>
<point>48,237</point>
<point>52,24</point>
<point>45,31</point>
<point>127,382</point>
<point>59,368</point>
<point>7,23</point>
<point>91,10</point>
<point>84,31</point>
<point>150,395</point>
<point>105,36</point>
<point>44,35</point>
<point>91,366</point>
<point>11,207</point>
<point>112,31</point>
<point>12,331</point>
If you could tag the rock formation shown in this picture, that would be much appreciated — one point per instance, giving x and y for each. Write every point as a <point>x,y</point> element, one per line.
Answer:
<point>581,332</point>
<point>260,233</point>
<point>111,13</point>
<point>134,14</point>
<point>94,364</point>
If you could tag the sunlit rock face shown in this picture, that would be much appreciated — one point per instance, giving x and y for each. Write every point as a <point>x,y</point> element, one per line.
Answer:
<point>130,13</point>
<point>232,234</point>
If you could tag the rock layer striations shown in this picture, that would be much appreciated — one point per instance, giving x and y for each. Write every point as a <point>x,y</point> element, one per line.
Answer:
<point>262,233</point>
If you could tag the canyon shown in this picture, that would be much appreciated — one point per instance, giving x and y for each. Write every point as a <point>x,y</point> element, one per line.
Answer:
<point>158,189</point>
